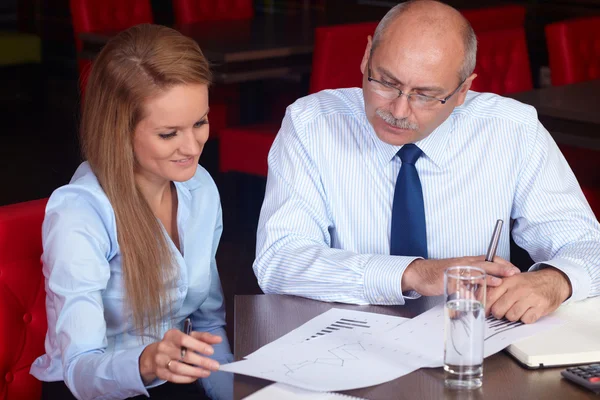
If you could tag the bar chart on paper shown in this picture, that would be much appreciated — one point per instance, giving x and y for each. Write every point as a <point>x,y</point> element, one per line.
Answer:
<point>340,325</point>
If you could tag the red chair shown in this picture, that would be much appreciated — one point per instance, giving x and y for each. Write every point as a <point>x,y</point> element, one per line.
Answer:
<point>337,55</point>
<point>245,149</point>
<point>502,62</point>
<point>574,50</point>
<point>495,18</point>
<point>22,299</point>
<point>189,11</point>
<point>574,55</point>
<point>224,100</point>
<point>103,15</point>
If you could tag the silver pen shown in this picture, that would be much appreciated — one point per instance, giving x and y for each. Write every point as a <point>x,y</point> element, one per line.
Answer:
<point>491,252</point>
<point>187,329</point>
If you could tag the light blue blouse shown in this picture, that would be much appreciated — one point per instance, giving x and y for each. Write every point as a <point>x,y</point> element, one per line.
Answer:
<point>91,343</point>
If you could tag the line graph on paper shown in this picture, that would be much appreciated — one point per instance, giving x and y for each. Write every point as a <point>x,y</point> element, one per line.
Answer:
<point>338,357</point>
<point>335,360</point>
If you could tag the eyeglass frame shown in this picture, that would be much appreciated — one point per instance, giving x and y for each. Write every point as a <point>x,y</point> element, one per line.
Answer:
<point>400,92</point>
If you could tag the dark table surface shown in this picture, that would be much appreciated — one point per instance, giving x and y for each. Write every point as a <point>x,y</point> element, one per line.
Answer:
<point>266,46</point>
<point>261,319</point>
<point>571,113</point>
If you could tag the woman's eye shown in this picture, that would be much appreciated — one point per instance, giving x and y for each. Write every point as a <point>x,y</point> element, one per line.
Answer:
<point>167,135</point>
<point>200,123</point>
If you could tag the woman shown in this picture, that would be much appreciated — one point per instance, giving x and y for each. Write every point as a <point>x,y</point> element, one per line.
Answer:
<point>130,242</point>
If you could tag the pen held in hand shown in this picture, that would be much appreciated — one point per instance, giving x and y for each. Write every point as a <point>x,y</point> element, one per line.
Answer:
<point>491,252</point>
<point>187,329</point>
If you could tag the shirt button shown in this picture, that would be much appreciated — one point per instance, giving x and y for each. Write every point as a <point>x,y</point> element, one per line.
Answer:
<point>380,299</point>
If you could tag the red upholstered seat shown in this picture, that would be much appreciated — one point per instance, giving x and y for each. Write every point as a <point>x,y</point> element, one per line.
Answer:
<point>188,11</point>
<point>336,64</point>
<point>574,54</point>
<point>592,194</point>
<point>105,15</point>
<point>245,149</point>
<point>574,50</point>
<point>337,54</point>
<point>502,62</point>
<point>22,299</point>
<point>224,99</point>
<point>495,18</point>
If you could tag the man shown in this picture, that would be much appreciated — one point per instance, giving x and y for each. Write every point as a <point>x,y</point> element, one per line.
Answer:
<point>373,193</point>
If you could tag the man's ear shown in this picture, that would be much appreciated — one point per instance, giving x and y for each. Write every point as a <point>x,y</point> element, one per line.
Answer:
<point>462,93</point>
<point>365,59</point>
<point>468,82</point>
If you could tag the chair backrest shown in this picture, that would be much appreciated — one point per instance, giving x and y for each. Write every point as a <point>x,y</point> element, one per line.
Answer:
<point>188,11</point>
<point>337,54</point>
<point>494,18</point>
<point>592,194</point>
<point>23,321</point>
<point>103,15</point>
<point>502,62</point>
<point>574,50</point>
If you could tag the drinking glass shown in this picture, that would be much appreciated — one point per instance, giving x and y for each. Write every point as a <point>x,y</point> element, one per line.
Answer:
<point>464,322</point>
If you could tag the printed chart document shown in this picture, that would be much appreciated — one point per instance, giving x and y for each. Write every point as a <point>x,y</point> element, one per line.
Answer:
<point>334,322</point>
<point>374,349</point>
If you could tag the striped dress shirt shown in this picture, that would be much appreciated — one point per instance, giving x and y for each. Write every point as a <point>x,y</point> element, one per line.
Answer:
<point>324,228</point>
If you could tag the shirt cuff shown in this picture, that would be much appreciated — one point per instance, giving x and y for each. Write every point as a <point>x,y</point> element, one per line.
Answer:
<point>578,277</point>
<point>383,278</point>
<point>126,370</point>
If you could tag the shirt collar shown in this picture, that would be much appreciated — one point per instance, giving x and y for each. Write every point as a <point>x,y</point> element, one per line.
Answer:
<point>433,146</point>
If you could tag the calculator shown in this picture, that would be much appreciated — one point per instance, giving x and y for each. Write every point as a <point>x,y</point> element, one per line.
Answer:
<point>587,376</point>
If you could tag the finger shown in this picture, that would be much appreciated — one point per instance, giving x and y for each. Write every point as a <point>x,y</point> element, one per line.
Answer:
<point>493,294</point>
<point>502,261</point>
<point>163,371</point>
<point>518,309</point>
<point>187,370</point>
<point>207,337</point>
<point>191,343</point>
<point>194,359</point>
<point>503,304</point>
<point>493,281</point>
<point>197,360</point>
<point>178,372</point>
<point>531,315</point>
<point>495,269</point>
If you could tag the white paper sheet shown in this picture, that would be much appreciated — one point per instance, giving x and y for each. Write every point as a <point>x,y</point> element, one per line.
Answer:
<point>331,363</point>
<point>348,359</point>
<point>280,391</point>
<point>334,322</point>
<point>426,332</point>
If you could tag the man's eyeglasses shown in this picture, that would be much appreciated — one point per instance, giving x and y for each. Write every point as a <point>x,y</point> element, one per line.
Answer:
<point>388,91</point>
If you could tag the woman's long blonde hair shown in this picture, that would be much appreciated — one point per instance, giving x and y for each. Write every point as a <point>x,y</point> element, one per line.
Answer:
<point>134,66</point>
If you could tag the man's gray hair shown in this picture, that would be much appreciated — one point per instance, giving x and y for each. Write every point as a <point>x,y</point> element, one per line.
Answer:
<point>469,38</point>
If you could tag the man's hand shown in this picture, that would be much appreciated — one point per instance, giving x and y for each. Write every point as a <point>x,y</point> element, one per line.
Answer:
<point>427,276</point>
<point>528,296</point>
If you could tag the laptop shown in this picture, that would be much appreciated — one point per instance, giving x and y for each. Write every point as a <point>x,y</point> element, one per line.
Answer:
<point>577,341</point>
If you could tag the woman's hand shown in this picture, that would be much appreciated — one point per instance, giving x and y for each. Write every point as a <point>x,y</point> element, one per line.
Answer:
<point>163,359</point>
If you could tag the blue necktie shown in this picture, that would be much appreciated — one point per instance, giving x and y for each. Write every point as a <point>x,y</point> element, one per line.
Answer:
<point>408,236</point>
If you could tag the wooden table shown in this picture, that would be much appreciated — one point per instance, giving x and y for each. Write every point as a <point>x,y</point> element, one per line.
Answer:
<point>571,113</point>
<point>266,46</point>
<point>264,318</point>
